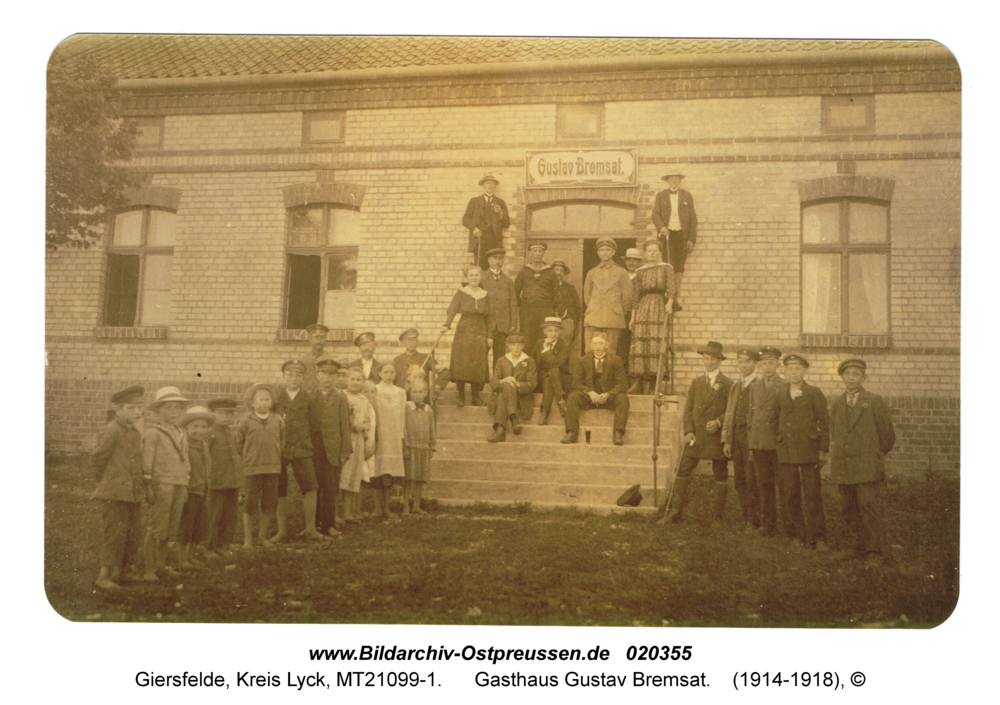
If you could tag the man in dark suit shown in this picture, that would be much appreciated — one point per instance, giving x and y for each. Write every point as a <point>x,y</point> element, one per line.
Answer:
<point>331,445</point>
<point>704,412</point>
<point>734,437</point>
<point>486,218</point>
<point>368,364</point>
<point>803,442</point>
<point>676,224</point>
<point>862,435</point>
<point>762,431</point>
<point>503,317</point>
<point>513,398</point>
<point>599,382</point>
<point>551,355</point>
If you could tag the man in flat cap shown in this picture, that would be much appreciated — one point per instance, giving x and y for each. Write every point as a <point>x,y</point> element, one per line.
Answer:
<point>317,338</point>
<point>676,224</point>
<point>503,317</point>
<point>704,412</point>
<point>803,442</point>
<point>607,294</point>
<point>762,432</point>
<point>486,218</point>
<point>410,357</point>
<point>734,437</point>
<point>862,435</point>
<point>535,287</point>
<point>367,362</point>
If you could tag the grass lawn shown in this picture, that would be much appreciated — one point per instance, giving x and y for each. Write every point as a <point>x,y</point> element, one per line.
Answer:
<point>515,565</point>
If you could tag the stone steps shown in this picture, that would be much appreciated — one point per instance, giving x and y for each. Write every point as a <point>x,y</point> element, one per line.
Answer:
<point>640,416</point>
<point>553,433</point>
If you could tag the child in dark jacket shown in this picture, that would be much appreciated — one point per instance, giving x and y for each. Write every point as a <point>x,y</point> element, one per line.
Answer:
<point>194,518</point>
<point>260,436</point>
<point>225,479</point>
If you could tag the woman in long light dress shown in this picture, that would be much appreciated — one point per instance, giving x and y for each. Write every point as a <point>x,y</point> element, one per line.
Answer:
<point>654,290</point>
<point>390,420</point>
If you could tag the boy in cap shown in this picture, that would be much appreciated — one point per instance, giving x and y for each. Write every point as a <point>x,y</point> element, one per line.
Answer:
<point>166,468</point>
<point>734,437</point>
<point>260,438</point>
<point>676,224</point>
<point>302,413</point>
<point>704,412</point>
<point>486,218</point>
<point>535,287</point>
<point>225,479</point>
<point>317,338</point>
<point>367,362</point>
<point>410,338</point>
<point>552,362</point>
<point>599,381</point>
<point>331,444</point>
<point>566,303</point>
<point>607,294</point>
<point>762,431</point>
<point>803,442</point>
<point>503,302</point>
<point>862,435</point>
<point>514,380</point>
<point>116,464</point>
<point>193,528</point>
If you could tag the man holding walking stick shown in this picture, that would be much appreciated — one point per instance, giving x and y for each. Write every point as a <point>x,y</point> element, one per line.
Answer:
<point>486,218</point>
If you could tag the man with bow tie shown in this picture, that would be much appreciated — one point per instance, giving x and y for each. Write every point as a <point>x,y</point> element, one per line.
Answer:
<point>676,224</point>
<point>486,218</point>
<point>862,435</point>
<point>599,382</point>
<point>503,303</point>
<point>704,413</point>
<point>734,438</point>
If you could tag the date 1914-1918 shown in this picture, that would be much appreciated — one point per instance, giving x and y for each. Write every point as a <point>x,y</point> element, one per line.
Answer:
<point>795,679</point>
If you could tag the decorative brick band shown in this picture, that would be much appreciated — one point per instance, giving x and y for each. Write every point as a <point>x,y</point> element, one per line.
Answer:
<point>350,195</point>
<point>135,333</point>
<point>337,335</point>
<point>854,342</point>
<point>158,196</point>
<point>620,194</point>
<point>846,186</point>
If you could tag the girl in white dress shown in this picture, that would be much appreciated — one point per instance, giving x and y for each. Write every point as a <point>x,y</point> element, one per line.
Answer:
<point>390,418</point>
<point>357,469</point>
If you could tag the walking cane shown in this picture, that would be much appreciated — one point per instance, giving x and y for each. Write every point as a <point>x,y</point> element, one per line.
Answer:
<point>657,408</point>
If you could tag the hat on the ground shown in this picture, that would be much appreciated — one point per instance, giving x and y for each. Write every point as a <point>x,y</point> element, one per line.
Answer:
<point>364,338</point>
<point>560,263</point>
<point>294,364</point>
<point>673,173</point>
<point>315,327</point>
<point>489,177</point>
<point>550,321</point>
<point>515,338</point>
<point>795,357</point>
<point>631,497</point>
<point>769,352</point>
<point>633,253</point>
<point>133,393</point>
<point>221,403</point>
<point>536,245</point>
<point>248,397</point>
<point>496,251</point>
<point>194,413</point>
<point>712,348</point>
<point>409,333</point>
<point>852,362</point>
<point>749,352</point>
<point>327,363</point>
<point>602,241</point>
<point>165,394</point>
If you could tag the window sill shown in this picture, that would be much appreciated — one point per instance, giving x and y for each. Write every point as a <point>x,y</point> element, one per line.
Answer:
<point>136,332</point>
<point>815,340</point>
<point>293,335</point>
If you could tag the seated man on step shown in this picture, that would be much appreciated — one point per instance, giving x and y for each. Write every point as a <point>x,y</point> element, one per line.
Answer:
<point>599,382</point>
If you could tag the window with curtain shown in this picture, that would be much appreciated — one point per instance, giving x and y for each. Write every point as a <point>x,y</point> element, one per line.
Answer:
<point>140,268</point>
<point>322,269</point>
<point>845,267</point>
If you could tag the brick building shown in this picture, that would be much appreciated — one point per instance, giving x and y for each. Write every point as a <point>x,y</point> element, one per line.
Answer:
<point>294,179</point>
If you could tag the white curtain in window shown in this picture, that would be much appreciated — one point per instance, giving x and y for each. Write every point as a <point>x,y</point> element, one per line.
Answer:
<point>868,294</point>
<point>821,293</point>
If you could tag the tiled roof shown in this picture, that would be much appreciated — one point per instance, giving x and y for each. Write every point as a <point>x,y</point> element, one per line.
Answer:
<point>180,56</point>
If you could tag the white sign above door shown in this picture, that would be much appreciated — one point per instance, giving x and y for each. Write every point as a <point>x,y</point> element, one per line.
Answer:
<point>582,168</point>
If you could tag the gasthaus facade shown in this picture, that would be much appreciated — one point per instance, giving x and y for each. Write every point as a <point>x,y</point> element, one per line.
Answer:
<point>295,180</point>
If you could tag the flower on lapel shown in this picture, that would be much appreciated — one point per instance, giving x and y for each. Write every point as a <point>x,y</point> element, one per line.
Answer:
<point>864,405</point>
<point>715,387</point>
<point>796,393</point>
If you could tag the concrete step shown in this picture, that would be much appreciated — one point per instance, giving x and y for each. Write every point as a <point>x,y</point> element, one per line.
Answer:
<point>516,448</point>
<point>588,495</point>
<point>552,433</point>
<point>620,474</point>
<point>638,417</point>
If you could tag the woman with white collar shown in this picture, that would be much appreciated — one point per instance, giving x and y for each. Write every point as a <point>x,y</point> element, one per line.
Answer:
<point>469,350</point>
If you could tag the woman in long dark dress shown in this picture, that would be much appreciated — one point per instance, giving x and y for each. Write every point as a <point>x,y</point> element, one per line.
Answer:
<point>654,289</point>
<point>468,352</point>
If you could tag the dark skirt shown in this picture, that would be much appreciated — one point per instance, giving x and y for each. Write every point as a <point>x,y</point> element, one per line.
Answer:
<point>469,351</point>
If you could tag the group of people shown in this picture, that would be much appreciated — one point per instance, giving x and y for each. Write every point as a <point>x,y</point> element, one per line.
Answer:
<point>190,476</point>
<point>777,431</point>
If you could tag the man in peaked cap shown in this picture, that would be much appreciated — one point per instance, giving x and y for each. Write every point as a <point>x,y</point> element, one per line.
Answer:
<point>535,287</point>
<point>503,302</point>
<point>367,362</point>
<point>566,302</point>
<point>762,432</point>
<point>704,412</point>
<point>862,436</point>
<point>734,437</point>
<point>607,294</point>
<point>486,218</point>
<point>676,223</point>
<point>317,338</point>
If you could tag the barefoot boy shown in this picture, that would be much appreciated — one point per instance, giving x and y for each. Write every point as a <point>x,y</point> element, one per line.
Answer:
<point>260,436</point>
<point>117,466</point>
<point>194,518</point>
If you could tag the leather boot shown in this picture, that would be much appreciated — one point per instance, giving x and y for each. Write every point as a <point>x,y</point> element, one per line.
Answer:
<point>677,499</point>
<point>460,387</point>
<point>543,417</point>
<point>515,424</point>
<point>719,504</point>
<point>499,434</point>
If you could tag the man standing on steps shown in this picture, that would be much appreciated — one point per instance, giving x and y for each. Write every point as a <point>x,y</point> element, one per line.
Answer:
<point>676,225</point>
<point>599,382</point>
<point>762,434</point>
<point>503,303</point>
<point>704,412</point>
<point>535,287</point>
<point>486,218</point>
<point>734,438</point>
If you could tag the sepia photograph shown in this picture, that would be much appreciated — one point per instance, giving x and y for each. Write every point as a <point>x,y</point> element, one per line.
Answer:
<point>482,330</point>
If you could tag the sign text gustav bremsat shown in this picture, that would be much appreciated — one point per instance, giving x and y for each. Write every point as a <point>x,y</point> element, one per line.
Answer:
<point>582,168</point>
